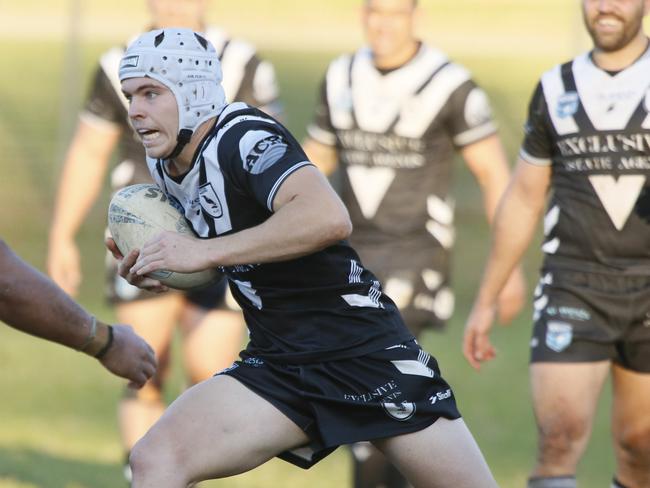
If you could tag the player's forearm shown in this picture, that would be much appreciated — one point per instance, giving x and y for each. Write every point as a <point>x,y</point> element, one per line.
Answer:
<point>31,302</point>
<point>299,228</point>
<point>493,187</point>
<point>81,181</point>
<point>488,162</point>
<point>79,188</point>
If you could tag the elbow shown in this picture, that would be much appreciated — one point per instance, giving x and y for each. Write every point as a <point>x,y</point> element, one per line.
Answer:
<point>340,228</point>
<point>344,229</point>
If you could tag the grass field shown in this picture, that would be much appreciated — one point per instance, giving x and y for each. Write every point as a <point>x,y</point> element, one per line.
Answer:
<point>57,422</point>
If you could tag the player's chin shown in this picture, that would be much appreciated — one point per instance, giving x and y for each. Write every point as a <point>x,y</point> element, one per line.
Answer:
<point>156,152</point>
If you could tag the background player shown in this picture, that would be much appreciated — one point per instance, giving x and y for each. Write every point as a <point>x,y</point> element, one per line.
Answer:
<point>329,360</point>
<point>33,303</point>
<point>586,142</point>
<point>212,332</point>
<point>392,115</point>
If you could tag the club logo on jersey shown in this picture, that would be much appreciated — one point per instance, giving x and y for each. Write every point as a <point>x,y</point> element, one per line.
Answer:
<point>210,201</point>
<point>399,411</point>
<point>558,335</point>
<point>567,104</point>
<point>129,62</point>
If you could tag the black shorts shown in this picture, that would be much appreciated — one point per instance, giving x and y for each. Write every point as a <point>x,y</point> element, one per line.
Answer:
<point>416,278</point>
<point>215,296</point>
<point>383,394</point>
<point>586,317</point>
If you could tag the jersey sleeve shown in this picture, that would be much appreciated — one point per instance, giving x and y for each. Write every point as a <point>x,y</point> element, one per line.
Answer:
<point>469,115</point>
<point>260,156</point>
<point>536,147</point>
<point>320,128</point>
<point>103,103</point>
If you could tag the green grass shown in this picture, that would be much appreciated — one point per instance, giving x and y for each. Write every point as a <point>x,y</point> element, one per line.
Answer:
<point>57,420</point>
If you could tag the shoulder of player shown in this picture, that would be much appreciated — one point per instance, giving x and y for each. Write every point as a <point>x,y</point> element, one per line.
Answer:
<point>236,121</point>
<point>555,71</point>
<point>109,60</point>
<point>439,62</point>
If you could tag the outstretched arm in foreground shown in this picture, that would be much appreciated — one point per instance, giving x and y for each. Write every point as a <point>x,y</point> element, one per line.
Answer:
<point>31,302</point>
<point>512,230</point>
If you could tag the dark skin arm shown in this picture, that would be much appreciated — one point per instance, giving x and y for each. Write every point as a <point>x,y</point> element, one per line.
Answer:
<point>32,303</point>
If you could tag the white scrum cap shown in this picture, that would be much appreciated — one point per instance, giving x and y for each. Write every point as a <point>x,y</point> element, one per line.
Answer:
<point>187,64</point>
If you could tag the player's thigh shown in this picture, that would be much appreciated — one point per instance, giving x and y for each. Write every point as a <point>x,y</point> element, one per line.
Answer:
<point>442,455</point>
<point>565,395</point>
<point>631,407</point>
<point>214,343</point>
<point>220,428</point>
<point>153,318</point>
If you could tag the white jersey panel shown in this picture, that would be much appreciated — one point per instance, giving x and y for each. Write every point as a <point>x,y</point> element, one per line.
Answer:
<point>110,63</point>
<point>234,62</point>
<point>338,93</point>
<point>610,100</point>
<point>561,106</point>
<point>419,111</point>
<point>379,99</point>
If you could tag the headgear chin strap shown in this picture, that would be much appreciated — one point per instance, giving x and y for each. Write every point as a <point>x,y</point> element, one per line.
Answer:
<point>187,64</point>
<point>183,137</point>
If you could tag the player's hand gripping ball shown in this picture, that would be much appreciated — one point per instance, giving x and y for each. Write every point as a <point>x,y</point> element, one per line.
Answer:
<point>136,214</point>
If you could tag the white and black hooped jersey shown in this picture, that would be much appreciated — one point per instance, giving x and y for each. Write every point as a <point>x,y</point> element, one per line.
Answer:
<point>395,134</point>
<point>321,306</point>
<point>246,78</point>
<point>593,128</point>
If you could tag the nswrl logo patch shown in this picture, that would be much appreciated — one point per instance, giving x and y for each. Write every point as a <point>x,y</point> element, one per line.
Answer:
<point>567,104</point>
<point>558,335</point>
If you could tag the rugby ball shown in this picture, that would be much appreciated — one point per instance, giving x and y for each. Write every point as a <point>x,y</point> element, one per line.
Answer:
<point>136,214</point>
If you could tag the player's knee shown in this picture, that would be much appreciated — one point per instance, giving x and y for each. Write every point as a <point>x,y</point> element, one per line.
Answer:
<point>153,457</point>
<point>142,460</point>
<point>561,438</point>
<point>633,444</point>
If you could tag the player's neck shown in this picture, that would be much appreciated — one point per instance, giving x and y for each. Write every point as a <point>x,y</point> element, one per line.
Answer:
<point>621,59</point>
<point>398,58</point>
<point>182,163</point>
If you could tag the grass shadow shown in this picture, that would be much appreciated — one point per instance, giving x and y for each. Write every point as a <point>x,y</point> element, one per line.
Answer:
<point>46,470</point>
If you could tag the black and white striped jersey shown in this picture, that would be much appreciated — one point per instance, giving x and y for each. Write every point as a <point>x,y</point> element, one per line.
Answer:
<point>246,78</point>
<point>321,306</point>
<point>593,128</point>
<point>395,134</point>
